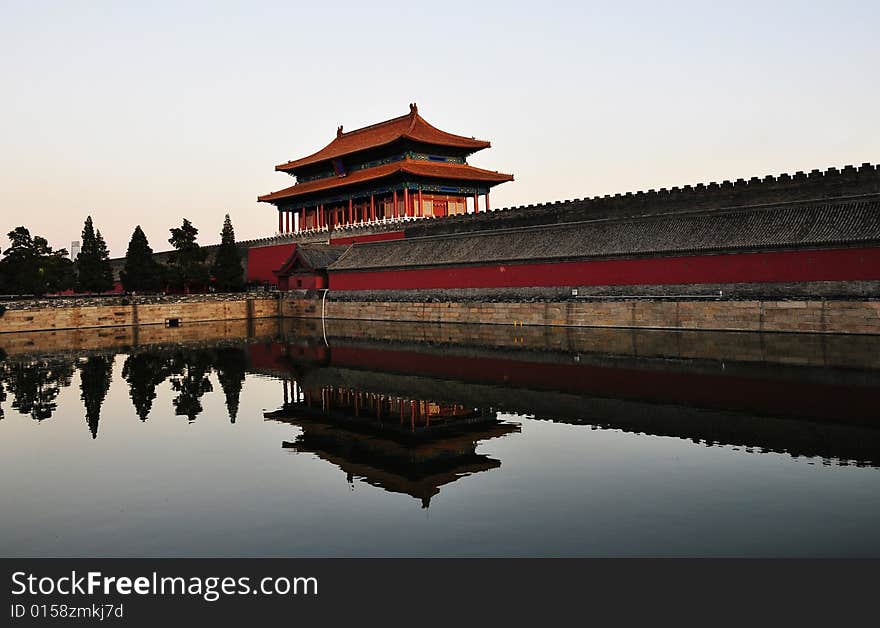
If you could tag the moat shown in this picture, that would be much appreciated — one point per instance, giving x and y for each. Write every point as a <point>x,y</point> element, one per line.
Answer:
<point>348,438</point>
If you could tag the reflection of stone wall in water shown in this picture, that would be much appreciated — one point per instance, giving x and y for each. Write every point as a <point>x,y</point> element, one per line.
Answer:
<point>847,351</point>
<point>121,338</point>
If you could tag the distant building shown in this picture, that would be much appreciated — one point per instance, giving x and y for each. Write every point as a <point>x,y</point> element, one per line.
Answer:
<point>74,249</point>
<point>397,170</point>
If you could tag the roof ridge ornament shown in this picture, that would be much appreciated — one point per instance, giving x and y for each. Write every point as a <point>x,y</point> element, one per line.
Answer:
<point>414,116</point>
<point>339,131</point>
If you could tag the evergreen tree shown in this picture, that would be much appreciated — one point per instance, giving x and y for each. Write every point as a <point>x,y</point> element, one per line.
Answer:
<point>141,273</point>
<point>30,266</point>
<point>94,378</point>
<point>227,270</point>
<point>57,271</point>
<point>20,264</point>
<point>93,270</point>
<point>186,265</point>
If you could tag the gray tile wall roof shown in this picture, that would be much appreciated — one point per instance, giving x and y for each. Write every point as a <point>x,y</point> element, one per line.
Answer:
<point>816,224</point>
<point>320,256</point>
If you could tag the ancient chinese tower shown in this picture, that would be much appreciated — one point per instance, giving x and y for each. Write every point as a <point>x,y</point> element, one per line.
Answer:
<point>397,170</point>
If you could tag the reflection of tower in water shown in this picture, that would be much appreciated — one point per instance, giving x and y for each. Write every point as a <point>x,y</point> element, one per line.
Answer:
<point>410,446</point>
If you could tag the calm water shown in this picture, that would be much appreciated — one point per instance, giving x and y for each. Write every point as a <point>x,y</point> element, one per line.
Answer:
<point>292,439</point>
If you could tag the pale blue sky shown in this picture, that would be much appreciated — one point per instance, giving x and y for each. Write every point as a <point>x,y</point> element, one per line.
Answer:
<point>142,113</point>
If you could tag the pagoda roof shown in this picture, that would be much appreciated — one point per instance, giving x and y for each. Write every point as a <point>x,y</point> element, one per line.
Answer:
<point>418,167</point>
<point>411,126</point>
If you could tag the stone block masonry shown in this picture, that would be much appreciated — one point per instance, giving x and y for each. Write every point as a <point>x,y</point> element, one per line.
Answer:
<point>860,316</point>
<point>819,316</point>
<point>97,312</point>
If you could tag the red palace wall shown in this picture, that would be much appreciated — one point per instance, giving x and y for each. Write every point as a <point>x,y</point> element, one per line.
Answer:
<point>375,237</point>
<point>302,281</point>
<point>116,289</point>
<point>780,266</point>
<point>263,260</point>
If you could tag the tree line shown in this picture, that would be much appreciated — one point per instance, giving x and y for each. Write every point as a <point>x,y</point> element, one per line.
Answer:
<point>30,266</point>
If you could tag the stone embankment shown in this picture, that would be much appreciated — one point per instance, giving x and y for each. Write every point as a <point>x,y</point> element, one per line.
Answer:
<point>91,312</point>
<point>794,315</point>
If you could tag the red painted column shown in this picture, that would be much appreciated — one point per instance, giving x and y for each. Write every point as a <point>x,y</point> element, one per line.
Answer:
<point>421,209</point>
<point>372,207</point>
<point>280,221</point>
<point>476,204</point>
<point>406,209</point>
<point>394,206</point>
<point>487,201</point>
<point>302,219</point>
<point>350,211</point>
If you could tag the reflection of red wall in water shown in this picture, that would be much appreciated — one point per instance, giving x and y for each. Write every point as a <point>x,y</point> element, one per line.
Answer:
<point>775,396</point>
<point>262,260</point>
<point>278,356</point>
<point>778,266</point>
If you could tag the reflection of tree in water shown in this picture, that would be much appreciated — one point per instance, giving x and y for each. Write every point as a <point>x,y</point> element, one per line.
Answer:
<point>190,378</point>
<point>189,371</point>
<point>143,372</point>
<point>3,367</point>
<point>35,385</point>
<point>231,366</point>
<point>94,376</point>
